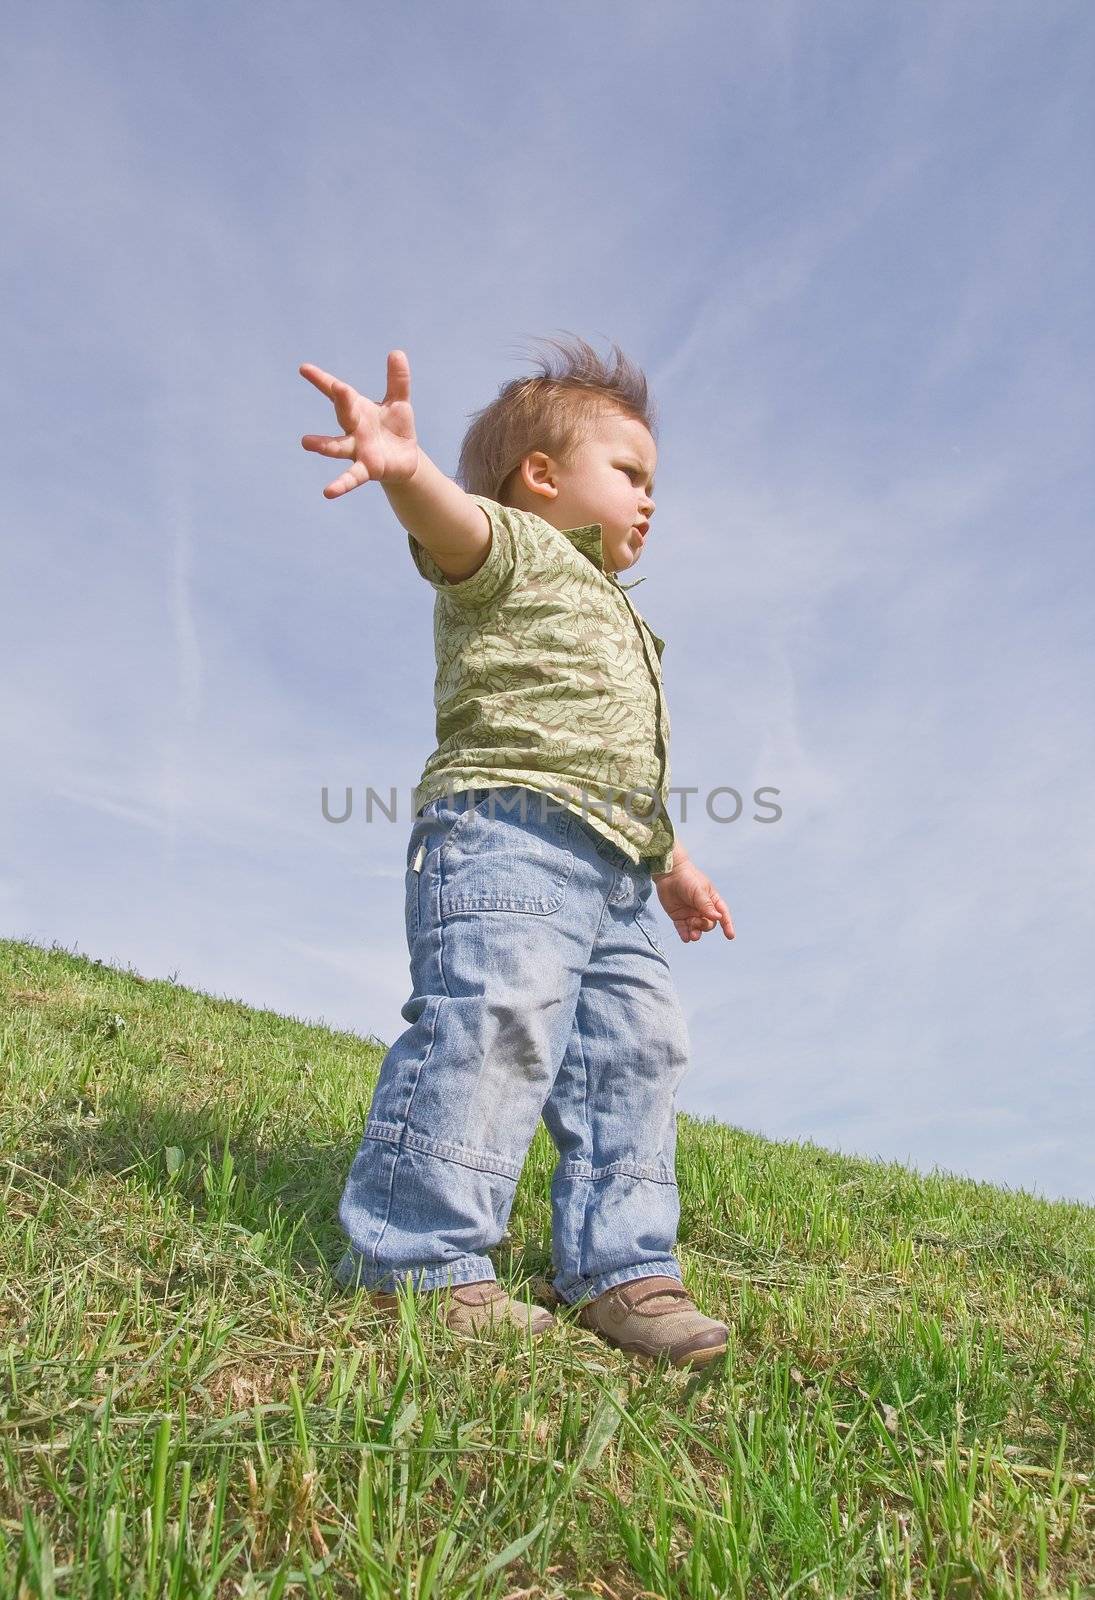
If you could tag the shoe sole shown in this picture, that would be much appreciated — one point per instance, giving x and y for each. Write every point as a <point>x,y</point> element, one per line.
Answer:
<point>701,1357</point>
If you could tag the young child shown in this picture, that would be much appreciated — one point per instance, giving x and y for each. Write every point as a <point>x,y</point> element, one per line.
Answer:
<point>540,987</point>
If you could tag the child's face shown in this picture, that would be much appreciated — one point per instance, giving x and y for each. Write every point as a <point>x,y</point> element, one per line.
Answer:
<point>610,481</point>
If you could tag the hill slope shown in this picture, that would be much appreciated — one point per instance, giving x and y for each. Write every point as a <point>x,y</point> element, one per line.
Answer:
<point>190,1406</point>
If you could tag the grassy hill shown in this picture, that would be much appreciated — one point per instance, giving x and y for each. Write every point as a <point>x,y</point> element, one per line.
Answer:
<point>190,1406</point>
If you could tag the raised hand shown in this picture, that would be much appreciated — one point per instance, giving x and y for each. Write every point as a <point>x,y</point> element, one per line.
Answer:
<point>379,439</point>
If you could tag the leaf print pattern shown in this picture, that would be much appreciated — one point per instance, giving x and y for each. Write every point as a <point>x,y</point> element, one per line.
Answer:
<point>547,676</point>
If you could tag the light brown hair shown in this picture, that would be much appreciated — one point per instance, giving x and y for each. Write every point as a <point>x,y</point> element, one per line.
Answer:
<point>549,412</point>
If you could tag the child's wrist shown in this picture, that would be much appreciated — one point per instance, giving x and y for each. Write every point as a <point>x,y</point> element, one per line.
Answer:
<point>680,856</point>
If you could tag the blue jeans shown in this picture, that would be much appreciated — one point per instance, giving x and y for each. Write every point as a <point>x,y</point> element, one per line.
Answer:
<point>540,988</point>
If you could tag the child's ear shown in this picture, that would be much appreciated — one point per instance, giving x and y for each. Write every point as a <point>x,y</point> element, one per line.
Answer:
<point>539,473</point>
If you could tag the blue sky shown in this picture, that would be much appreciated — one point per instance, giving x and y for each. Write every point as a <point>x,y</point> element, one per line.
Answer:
<point>851,246</point>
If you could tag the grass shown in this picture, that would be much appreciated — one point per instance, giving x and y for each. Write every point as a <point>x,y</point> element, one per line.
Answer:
<point>191,1406</point>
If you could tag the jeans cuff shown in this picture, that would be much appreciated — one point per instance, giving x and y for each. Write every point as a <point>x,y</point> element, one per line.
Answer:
<point>589,1288</point>
<point>354,1272</point>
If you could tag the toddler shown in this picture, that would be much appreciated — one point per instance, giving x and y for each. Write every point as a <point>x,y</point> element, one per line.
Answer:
<point>540,985</point>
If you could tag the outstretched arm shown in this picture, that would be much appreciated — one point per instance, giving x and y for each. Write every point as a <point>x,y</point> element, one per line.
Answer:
<point>379,441</point>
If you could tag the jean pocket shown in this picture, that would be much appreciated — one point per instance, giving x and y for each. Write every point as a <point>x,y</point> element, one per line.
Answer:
<point>410,907</point>
<point>649,925</point>
<point>494,860</point>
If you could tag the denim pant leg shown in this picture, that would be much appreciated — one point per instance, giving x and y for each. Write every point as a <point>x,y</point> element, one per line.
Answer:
<point>499,925</point>
<point>612,1110</point>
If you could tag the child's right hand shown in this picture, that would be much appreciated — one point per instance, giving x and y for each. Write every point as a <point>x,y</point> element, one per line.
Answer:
<point>380,439</point>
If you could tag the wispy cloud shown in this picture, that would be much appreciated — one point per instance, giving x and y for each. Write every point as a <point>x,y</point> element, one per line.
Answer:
<point>855,269</point>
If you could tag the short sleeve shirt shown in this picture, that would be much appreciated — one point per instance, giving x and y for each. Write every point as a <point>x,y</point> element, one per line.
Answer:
<point>548,677</point>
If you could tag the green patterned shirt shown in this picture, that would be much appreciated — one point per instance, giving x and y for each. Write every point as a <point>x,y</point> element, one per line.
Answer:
<point>547,676</point>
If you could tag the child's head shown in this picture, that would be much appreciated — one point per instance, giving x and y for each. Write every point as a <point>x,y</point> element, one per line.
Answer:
<point>576,445</point>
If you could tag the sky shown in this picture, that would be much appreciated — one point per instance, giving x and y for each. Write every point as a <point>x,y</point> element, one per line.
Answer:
<point>850,245</point>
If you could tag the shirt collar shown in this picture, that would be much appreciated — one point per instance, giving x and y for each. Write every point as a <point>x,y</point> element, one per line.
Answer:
<point>587,539</point>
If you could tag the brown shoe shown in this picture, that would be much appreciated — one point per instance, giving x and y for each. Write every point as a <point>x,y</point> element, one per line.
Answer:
<point>478,1308</point>
<point>654,1317</point>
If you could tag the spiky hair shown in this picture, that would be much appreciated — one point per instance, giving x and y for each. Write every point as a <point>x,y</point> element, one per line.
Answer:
<point>550,411</point>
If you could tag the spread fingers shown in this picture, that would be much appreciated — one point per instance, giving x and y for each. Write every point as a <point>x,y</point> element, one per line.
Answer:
<point>326,444</point>
<point>356,475</point>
